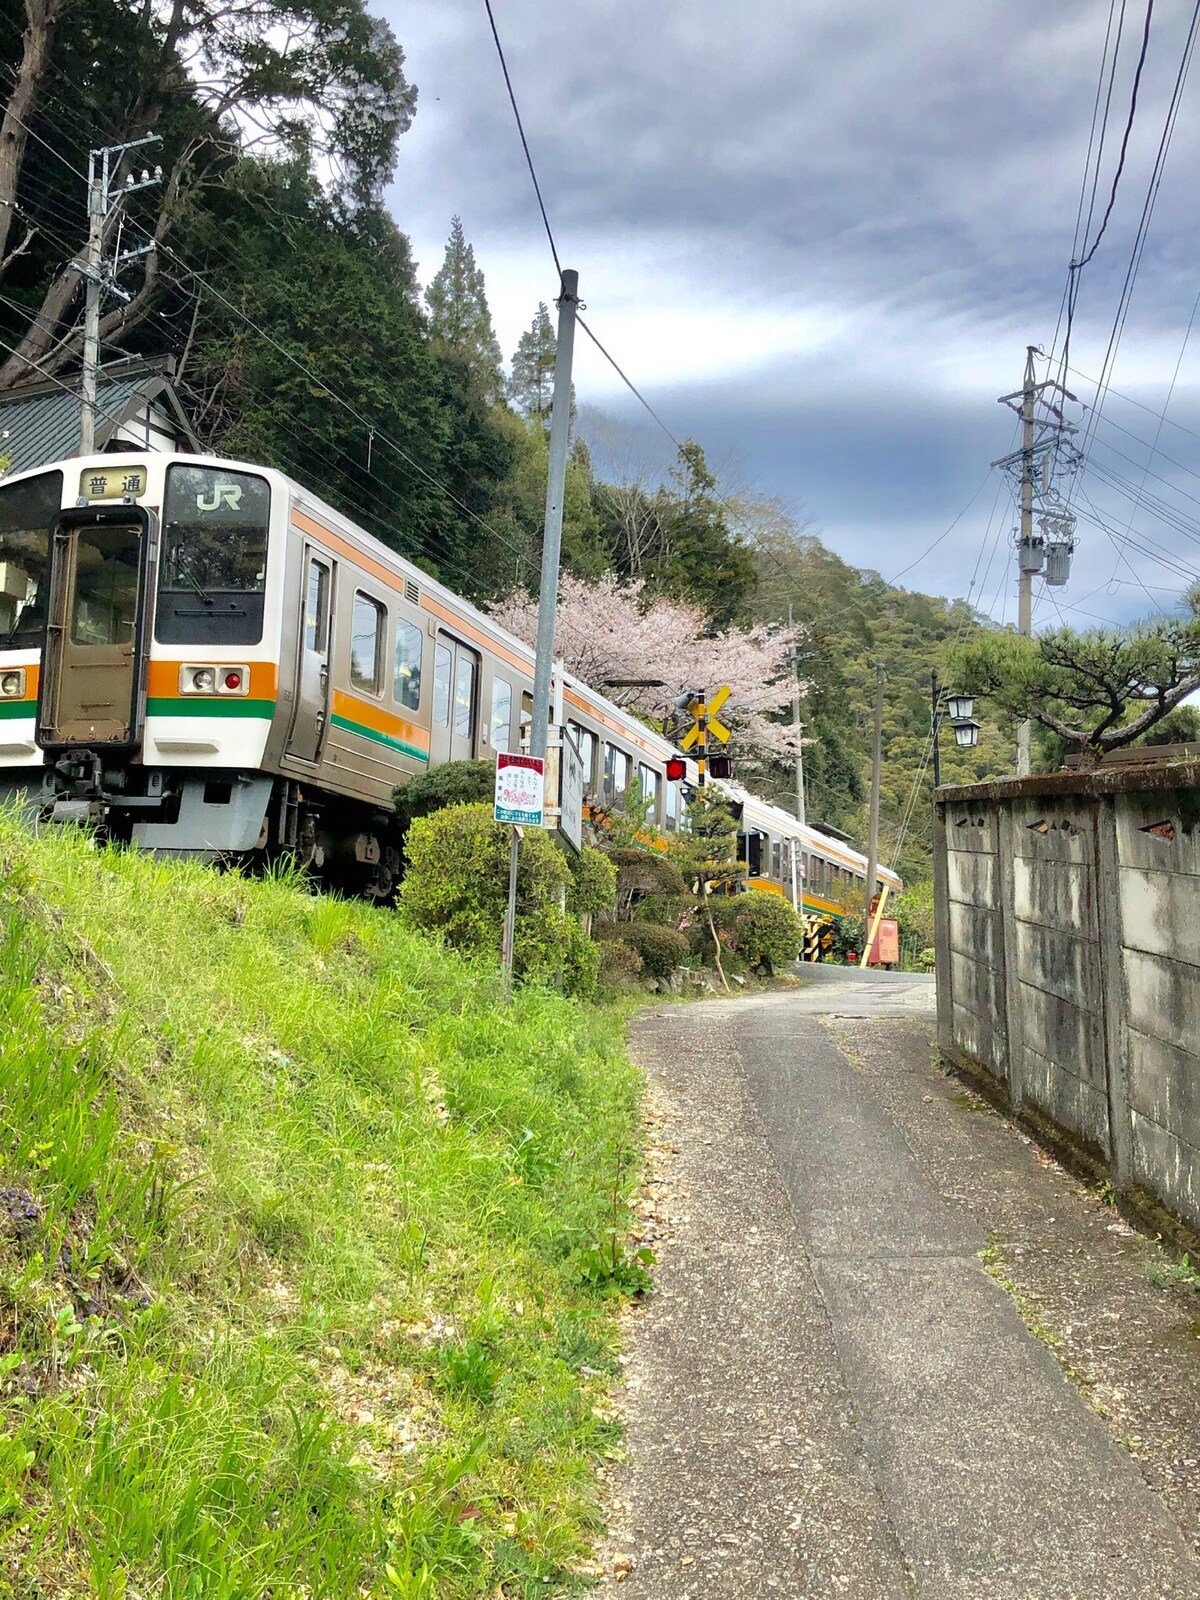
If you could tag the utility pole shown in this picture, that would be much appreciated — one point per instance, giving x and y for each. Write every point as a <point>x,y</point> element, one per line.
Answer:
<point>101,201</point>
<point>876,772</point>
<point>936,728</point>
<point>91,310</point>
<point>1024,569</point>
<point>1040,441</point>
<point>796,728</point>
<point>560,424</point>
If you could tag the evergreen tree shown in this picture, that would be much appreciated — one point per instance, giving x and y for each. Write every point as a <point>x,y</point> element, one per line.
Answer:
<point>531,387</point>
<point>459,320</point>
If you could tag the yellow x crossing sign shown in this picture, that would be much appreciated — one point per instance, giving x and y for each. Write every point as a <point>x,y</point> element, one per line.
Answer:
<point>704,720</point>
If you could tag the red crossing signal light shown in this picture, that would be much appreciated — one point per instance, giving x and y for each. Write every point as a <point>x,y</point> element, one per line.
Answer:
<point>676,768</point>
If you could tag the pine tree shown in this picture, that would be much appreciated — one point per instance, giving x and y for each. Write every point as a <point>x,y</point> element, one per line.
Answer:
<point>531,386</point>
<point>459,319</point>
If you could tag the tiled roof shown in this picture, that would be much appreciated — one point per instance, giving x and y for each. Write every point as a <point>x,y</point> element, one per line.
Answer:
<point>43,424</point>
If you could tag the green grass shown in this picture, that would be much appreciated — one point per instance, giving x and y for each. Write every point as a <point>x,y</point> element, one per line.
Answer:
<point>299,1245</point>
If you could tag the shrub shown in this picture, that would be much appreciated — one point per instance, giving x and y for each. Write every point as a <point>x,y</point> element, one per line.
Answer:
<point>620,964</point>
<point>927,959</point>
<point>455,783</point>
<point>593,891</point>
<point>456,885</point>
<point>849,937</point>
<point>913,910</point>
<point>641,873</point>
<point>661,949</point>
<point>766,931</point>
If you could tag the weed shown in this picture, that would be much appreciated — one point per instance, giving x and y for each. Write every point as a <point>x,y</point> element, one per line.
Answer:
<point>1164,1273</point>
<point>290,1244</point>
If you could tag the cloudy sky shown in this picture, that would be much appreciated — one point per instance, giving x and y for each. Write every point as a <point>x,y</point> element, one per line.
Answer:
<point>819,236</point>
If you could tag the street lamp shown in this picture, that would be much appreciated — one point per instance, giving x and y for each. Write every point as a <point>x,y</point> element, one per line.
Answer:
<point>960,706</point>
<point>959,709</point>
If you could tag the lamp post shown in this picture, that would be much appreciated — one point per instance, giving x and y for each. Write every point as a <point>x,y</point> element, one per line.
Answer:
<point>937,732</point>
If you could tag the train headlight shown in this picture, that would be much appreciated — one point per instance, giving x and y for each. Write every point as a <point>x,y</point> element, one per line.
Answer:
<point>197,680</point>
<point>12,684</point>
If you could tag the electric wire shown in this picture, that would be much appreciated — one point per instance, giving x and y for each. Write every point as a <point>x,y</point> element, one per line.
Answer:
<point>537,188</point>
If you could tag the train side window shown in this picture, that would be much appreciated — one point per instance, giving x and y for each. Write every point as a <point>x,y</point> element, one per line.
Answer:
<point>776,860</point>
<point>672,806</point>
<point>648,781</point>
<point>366,637</point>
<point>616,773</point>
<point>501,713</point>
<point>316,610</point>
<point>443,662</point>
<point>585,743</point>
<point>464,694</point>
<point>406,675</point>
<point>526,711</point>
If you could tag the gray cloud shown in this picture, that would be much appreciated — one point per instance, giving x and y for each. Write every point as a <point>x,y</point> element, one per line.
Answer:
<point>821,234</point>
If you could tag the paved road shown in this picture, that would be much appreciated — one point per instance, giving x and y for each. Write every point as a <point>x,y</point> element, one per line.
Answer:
<point>828,1396</point>
<point>853,992</point>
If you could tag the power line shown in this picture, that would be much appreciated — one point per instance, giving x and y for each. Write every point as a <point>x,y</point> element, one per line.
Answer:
<point>537,188</point>
<point>1133,97</point>
<point>1143,227</point>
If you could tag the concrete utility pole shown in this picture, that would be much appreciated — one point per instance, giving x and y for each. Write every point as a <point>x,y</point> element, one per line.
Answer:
<point>876,770</point>
<point>100,203</point>
<point>796,727</point>
<point>1024,573</point>
<point>91,309</point>
<point>560,424</point>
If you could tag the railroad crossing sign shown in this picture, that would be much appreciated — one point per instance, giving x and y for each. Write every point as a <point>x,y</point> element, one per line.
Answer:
<point>704,720</point>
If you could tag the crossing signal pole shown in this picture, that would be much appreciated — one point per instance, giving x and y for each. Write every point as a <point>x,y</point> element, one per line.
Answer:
<point>704,722</point>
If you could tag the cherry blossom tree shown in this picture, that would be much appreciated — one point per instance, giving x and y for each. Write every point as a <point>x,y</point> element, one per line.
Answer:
<point>608,631</point>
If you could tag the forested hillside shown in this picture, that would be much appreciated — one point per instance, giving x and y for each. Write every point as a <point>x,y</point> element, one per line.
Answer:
<point>287,296</point>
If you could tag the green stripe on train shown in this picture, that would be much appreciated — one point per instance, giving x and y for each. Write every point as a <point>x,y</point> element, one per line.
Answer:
<point>17,708</point>
<point>210,706</point>
<point>379,738</point>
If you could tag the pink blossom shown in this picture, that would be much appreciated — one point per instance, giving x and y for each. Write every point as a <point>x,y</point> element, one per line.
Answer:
<point>609,630</point>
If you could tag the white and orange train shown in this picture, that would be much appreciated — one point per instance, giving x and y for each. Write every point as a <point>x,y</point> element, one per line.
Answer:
<point>204,658</point>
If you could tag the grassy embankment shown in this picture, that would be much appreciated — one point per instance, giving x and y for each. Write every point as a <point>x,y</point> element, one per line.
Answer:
<point>300,1287</point>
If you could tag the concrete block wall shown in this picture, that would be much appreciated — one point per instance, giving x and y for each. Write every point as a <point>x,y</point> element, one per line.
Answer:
<point>1069,959</point>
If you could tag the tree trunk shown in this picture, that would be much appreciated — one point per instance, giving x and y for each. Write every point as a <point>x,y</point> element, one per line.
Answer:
<point>40,16</point>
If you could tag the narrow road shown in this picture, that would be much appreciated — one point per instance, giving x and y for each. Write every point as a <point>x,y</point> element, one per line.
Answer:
<point>828,1395</point>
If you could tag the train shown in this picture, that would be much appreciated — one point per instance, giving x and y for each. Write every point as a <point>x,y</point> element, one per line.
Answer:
<point>201,657</point>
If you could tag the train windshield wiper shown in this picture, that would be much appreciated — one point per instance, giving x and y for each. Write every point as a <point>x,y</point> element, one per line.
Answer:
<point>183,567</point>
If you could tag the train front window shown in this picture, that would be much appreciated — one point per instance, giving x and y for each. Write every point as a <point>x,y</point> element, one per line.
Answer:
<point>212,572</point>
<point>26,513</point>
<point>106,585</point>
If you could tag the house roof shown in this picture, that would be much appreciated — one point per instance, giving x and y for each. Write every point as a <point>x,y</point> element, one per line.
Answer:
<point>41,423</point>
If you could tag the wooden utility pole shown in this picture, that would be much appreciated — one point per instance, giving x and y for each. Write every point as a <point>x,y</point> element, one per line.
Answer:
<point>876,773</point>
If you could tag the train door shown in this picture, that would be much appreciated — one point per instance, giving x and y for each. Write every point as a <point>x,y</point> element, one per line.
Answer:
<point>94,643</point>
<point>455,700</point>
<point>310,715</point>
